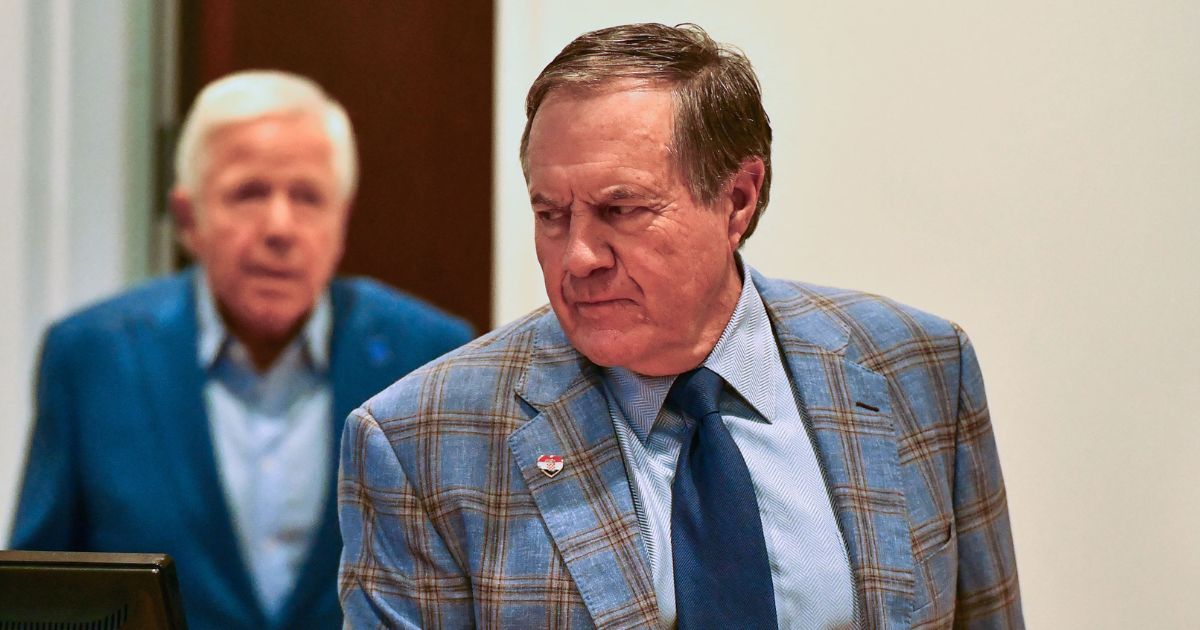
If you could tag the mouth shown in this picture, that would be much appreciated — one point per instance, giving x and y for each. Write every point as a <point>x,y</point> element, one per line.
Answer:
<point>272,273</point>
<point>602,308</point>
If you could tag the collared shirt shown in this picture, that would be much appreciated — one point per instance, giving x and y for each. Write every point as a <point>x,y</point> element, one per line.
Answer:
<point>272,441</point>
<point>810,568</point>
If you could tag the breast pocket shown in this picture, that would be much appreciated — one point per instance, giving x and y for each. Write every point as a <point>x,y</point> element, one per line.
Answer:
<point>936,581</point>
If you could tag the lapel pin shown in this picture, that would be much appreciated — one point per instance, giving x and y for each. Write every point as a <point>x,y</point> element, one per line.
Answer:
<point>550,464</point>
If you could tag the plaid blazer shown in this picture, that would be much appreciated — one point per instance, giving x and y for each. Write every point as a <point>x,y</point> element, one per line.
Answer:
<point>448,522</point>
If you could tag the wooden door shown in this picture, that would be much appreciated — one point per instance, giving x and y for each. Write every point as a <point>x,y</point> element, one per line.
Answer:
<point>415,77</point>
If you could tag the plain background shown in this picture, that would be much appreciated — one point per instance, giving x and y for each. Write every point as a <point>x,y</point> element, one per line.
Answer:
<point>1030,170</point>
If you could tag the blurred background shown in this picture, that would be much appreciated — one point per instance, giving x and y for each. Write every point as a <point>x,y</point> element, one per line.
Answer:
<point>1030,170</point>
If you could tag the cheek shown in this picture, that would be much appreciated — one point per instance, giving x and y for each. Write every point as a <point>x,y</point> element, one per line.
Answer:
<point>331,246</point>
<point>223,239</point>
<point>549,256</point>
<point>218,250</point>
<point>324,242</point>
<point>322,263</point>
<point>676,278</point>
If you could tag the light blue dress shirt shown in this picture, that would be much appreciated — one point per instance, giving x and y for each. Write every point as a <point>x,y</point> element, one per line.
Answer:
<point>810,568</point>
<point>272,440</point>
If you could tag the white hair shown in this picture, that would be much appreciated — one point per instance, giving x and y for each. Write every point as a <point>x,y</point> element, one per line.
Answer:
<point>244,96</point>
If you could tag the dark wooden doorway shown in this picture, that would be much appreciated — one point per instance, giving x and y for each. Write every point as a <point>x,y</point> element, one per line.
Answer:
<point>416,78</point>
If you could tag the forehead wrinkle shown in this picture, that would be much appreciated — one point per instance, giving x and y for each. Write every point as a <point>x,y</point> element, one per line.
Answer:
<point>538,199</point>
<point>623,192</point>
<point>607,195</point>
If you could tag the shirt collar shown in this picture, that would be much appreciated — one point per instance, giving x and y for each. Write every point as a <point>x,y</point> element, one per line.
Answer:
<point>745,350</point>
<point>639,397</point>
<point>214,336</point>
<point>745,344</point>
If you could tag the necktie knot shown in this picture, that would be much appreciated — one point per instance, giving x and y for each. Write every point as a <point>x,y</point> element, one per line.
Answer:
<point>697,393</point>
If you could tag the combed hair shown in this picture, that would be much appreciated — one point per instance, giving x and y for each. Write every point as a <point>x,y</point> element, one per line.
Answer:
<point>719,117</point>
<point>245,96</point>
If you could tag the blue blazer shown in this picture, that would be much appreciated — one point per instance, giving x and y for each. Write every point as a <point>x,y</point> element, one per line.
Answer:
<point>121,458</point>
<point>448,522</point>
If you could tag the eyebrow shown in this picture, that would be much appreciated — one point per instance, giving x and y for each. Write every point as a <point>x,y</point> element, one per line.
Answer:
<point>621,193</point>
<point>617,193</point>
<point>538,199</point>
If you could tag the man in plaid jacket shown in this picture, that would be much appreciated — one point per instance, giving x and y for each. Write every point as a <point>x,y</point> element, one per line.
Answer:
<point>530,479</point>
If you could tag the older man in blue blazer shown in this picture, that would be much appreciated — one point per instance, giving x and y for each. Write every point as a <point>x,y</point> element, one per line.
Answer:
<point>676,440</point>
<point>198,415</point>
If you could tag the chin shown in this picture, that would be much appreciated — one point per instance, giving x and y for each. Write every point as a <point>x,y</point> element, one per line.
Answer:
<point>606,348</point>
<point>272,320</point>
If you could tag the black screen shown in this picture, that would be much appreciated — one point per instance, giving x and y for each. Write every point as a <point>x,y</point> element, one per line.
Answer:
<point>88,591</point>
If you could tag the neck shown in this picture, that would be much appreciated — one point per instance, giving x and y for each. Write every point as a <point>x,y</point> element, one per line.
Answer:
<point>264,348</point>
<point>264,353</point>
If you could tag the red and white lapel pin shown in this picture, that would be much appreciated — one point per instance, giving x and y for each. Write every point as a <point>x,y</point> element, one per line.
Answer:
<point>550,464</point>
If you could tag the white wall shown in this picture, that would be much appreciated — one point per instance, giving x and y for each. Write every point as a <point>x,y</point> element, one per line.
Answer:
<point>1028,169</point>
<point>76,151</point>
<point>14,364</point>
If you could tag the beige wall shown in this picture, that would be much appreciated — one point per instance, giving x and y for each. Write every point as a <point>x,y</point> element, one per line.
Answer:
<point>1028,169</point>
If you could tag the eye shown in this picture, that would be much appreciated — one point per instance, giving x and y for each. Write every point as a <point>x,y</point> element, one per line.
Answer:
<point>550,216</point>
<point>252,190</point>
<point>624,211</point>
<point>307,194</point>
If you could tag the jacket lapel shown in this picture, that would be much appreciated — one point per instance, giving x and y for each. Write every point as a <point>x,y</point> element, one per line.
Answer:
<point>848,412</point>
<point>587,506</point>
<point>165,339</point>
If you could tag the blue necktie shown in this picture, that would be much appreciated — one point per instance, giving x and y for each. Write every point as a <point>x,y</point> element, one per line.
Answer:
<point>722,577</point>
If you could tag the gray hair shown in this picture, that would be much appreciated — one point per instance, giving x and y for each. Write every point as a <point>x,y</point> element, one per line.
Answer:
<point>244,96</point>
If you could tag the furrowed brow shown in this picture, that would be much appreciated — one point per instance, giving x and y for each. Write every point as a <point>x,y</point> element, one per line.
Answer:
<point>538,199</point>
<point>623,193</point>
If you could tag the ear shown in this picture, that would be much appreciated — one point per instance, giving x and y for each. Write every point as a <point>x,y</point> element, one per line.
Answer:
<point>184,211</point>
<point>743,194</point>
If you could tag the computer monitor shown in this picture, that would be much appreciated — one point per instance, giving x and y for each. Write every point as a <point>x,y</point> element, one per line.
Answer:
<point>85,591</point>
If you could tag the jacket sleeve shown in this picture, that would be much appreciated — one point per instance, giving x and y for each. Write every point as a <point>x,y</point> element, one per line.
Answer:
<point>396,569</point>
<point>988,595</point>
<point>48,517</point>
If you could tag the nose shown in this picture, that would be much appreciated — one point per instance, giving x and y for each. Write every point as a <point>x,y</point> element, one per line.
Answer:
<point>280,221</point>
<point>588,249</point>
